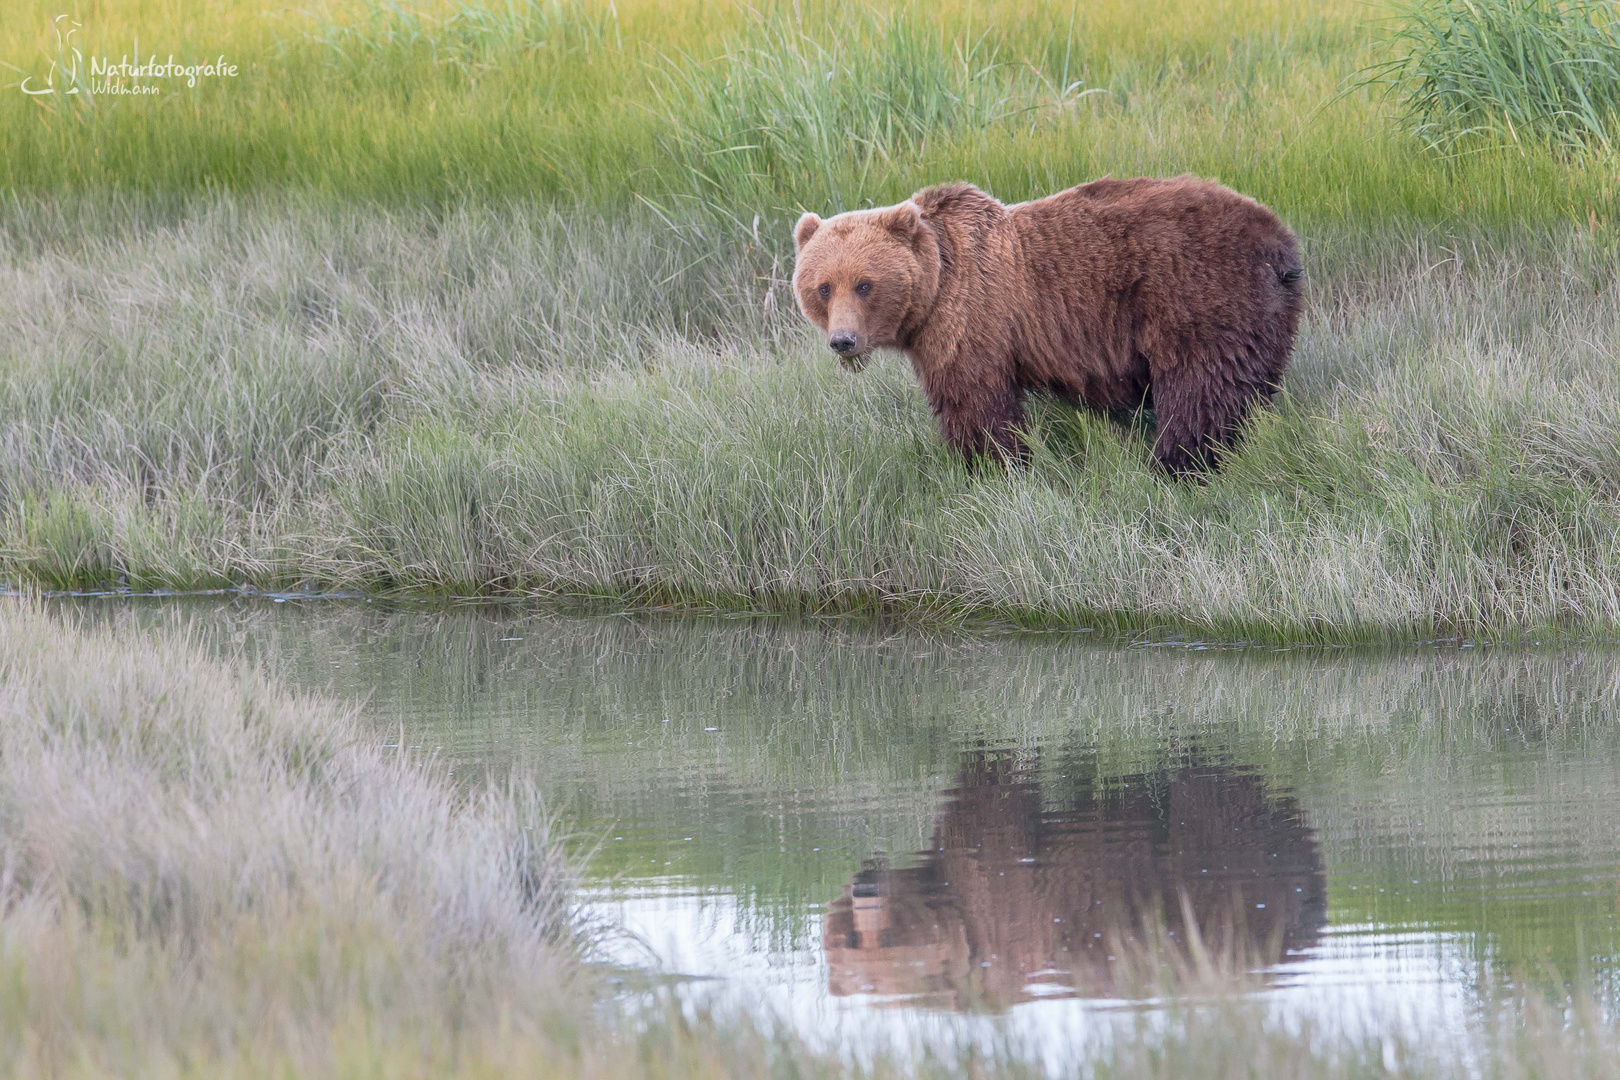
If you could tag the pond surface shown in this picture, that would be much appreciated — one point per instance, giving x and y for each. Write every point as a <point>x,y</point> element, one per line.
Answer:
<point>876,832</point>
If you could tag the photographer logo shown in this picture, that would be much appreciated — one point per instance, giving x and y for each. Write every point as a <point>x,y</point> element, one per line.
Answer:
<point>128,76</point>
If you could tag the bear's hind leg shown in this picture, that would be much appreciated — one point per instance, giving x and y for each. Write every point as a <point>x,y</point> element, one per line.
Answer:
<point>1199,407</point>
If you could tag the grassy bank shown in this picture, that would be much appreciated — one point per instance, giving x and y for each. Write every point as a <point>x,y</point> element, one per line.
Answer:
<point>206,876</point>
<point>204,873</point>
<point>491,299</point>
<point>526,401</point>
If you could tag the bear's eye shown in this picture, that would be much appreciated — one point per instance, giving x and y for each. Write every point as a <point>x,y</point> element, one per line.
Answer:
<point>863,290</point>
<point>824,291</point>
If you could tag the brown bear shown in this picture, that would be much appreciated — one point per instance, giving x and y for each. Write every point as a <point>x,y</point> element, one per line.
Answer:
<point>1180,295</point>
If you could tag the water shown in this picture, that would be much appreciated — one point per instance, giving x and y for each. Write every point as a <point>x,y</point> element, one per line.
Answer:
<point>878,833</point>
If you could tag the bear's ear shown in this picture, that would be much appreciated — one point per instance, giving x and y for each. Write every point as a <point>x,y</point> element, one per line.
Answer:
<point>903,220</point>
<point>805,229</point>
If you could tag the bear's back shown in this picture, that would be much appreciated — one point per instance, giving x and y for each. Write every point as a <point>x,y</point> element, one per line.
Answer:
<point>1174,232</point>
<point>1188,200</point>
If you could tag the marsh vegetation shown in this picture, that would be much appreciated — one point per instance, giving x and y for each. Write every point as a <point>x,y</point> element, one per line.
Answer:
<point>531,401</point>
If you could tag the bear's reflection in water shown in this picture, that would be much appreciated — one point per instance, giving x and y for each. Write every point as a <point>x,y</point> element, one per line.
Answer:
<point>1024,891</point>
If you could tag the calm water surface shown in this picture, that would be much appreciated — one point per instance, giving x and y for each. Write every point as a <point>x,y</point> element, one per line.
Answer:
<point>875,832</point>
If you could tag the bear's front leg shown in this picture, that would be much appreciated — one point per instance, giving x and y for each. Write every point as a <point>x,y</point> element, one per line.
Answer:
<point>984,423</point>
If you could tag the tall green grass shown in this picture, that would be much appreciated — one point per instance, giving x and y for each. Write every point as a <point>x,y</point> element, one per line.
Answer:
<point>1527,73</point>
<point>783,112</point>
<point>471,38</point>
<point>732,113</point>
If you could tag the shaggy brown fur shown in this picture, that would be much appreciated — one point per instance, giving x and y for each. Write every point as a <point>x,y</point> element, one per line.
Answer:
<point>1177,294</point>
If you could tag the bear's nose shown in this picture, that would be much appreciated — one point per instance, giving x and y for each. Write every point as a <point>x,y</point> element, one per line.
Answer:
<point>842,342</point>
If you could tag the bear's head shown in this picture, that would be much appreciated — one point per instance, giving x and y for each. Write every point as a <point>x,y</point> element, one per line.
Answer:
<point>866,278</point>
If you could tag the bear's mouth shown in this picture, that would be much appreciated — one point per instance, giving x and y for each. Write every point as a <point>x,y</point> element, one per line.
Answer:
<point>856,362</point>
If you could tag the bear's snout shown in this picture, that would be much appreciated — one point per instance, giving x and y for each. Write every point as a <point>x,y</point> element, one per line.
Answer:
<point>845,342</point>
